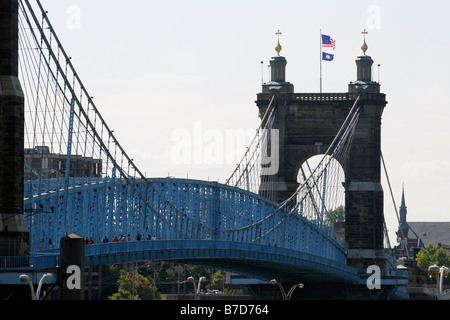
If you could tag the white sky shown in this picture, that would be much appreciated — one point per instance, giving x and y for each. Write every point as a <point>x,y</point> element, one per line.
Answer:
<point>158,67</point>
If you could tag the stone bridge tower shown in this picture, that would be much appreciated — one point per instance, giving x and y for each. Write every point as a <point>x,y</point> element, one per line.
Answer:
<point>14,234</point>
<point>307,124</point>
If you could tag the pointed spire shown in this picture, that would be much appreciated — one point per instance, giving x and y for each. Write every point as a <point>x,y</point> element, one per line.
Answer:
<point>403,226</point>
<point>403,211</point>
<point>403,197</point>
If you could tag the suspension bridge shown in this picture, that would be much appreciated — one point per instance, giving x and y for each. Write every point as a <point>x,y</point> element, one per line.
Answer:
<point>79,180</point>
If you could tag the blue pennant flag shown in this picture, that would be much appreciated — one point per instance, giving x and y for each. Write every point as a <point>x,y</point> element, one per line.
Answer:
<point>327,56</point>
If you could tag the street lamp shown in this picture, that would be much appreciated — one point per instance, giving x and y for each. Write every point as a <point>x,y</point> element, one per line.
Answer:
<point>25,278</point>
<point>283,293</point>
<point>196,288</point>
<point>440,274</point>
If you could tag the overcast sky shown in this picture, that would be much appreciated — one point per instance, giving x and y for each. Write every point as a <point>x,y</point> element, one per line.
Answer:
<point>157,69</point>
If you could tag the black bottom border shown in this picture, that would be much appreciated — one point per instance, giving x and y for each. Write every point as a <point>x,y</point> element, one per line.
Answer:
<point>222,309</point>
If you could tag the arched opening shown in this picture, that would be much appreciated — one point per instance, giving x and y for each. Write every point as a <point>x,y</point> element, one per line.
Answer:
<point>321,193</point>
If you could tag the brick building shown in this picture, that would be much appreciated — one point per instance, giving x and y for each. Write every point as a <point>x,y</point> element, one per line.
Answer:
<point>40,162</point>
<point>412,236</point>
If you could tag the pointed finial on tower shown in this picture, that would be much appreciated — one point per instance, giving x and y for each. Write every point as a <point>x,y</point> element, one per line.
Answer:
<point>278,48</point>
<point>403,196</point>
<point>364,46</point>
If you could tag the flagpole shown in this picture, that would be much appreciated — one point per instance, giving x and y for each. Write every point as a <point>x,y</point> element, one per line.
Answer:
<point>320,60</point>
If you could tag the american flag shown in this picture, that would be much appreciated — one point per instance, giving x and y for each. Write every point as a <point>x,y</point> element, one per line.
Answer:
<point>327,41</point>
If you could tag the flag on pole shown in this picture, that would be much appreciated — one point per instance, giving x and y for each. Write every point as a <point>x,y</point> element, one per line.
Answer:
<point>327,56</point>
<point>327,41</point>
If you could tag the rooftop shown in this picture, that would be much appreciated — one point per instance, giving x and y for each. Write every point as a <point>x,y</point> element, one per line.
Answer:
<point>430,232</point>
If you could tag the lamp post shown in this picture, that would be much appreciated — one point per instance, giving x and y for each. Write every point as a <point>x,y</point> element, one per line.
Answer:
<point>196,288</point>
<point>25,278</point>
<point>440,274</point>
<point>286,296</point>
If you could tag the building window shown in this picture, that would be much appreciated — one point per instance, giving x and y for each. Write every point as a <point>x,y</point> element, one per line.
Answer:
<point>44,163</point>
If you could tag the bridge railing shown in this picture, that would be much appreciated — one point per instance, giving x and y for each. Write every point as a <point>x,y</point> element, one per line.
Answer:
<point>14,262</point>
<point>198,249</point>
<point>326,96</point>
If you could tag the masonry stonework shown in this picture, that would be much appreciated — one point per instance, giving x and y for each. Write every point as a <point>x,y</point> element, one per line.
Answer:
<point>307,124</point>
<point>14,234</point>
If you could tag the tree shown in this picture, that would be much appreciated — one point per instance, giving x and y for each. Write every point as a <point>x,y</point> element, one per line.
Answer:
<point>123,294</point>
<point>218,280</point>
<point>432,255</point>
<point>134,287</point>
<point>197,272</point>
<point>335,215</point>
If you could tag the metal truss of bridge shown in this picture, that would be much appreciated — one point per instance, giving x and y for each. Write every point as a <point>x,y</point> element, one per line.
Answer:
<point>79,180</point>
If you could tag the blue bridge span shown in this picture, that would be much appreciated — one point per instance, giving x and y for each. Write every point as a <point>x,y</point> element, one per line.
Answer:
<point>204,222</point>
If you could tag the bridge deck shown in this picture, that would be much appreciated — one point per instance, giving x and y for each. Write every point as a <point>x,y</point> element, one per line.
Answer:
<point>254,260</point>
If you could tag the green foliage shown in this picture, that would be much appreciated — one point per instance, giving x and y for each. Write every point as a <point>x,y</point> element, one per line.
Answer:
<point>335,215</point>
<point>228,292</point>
<point>432,255</point>
<point>134,287</point>
<point>197,272</point>
<point>169,280</point>
<point>218,280</point>
<point>123,294</point>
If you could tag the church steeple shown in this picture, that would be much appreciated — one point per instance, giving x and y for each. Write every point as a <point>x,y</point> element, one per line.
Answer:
<point>403,227</point>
